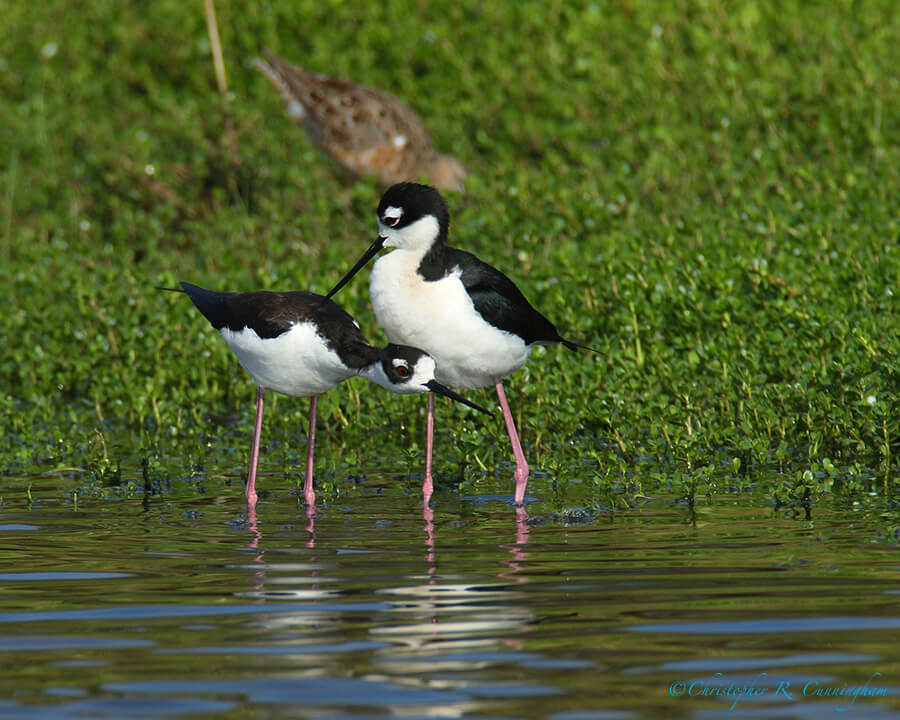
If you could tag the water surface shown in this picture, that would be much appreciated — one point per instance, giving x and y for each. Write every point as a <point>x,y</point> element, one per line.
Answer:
<point>186,608</point>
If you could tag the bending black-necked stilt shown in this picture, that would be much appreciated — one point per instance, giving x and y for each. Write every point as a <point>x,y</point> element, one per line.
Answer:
<point>468,315</point>
<point>302,344</point>
<point>363,129</point>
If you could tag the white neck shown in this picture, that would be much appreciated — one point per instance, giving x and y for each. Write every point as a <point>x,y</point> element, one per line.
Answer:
<point>375,373</point>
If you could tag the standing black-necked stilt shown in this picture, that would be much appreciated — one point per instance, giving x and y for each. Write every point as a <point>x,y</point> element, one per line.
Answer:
<point>302,344</point>
<point>466,314</point>
<point>363,129</point>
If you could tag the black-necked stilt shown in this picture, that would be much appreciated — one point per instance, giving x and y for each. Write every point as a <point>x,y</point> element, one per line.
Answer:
<point>466,314</point>
<point>302,344</point>
<point>366,131</point>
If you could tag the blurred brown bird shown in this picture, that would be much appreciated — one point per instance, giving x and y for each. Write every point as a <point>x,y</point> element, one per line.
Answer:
<point>366,131</point>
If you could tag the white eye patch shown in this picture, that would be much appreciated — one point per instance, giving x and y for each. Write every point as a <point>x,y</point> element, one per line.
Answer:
<point>391,216</point>
<point>402,367</point>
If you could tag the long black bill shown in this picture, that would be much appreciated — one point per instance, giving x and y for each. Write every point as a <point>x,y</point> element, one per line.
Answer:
<point>436,387</point>
<point>360,264</point>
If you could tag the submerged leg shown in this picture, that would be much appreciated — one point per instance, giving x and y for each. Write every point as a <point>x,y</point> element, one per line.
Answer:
<point>308,492</point>
<point>428,484</point>
<point>521,473</point>
<point>254,449</point>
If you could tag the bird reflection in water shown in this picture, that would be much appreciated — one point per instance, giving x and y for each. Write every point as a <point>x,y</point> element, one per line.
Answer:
<point>443,622</point>
<point>258,592</point>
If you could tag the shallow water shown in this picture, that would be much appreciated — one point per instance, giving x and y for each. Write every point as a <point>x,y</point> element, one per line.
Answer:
<point>184,607</point>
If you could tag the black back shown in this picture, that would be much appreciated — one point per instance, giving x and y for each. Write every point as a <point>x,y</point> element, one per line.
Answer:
<point>495,296</point>
<point>269,314</point>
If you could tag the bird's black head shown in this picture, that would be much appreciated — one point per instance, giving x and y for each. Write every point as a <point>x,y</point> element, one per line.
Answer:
<point>412,215</point>
<point>405,370</point>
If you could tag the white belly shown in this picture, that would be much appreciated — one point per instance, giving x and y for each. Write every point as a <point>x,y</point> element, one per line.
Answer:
<point>439,318</point>
<point>296,363</point>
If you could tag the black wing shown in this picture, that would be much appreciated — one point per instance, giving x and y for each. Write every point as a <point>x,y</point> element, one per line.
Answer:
<point>269,314</point>
<point>499,301</point>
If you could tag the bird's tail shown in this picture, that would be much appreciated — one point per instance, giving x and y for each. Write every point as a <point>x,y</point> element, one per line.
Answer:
<point>578,346</point>
<point>167,289</point>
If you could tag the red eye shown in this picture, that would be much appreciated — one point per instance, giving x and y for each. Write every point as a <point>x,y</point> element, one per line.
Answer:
<point>403,371</point>
<point>390,221</point>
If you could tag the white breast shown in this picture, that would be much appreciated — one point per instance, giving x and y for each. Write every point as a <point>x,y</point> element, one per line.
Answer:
<point>296,363</point>
<point>439,318</point>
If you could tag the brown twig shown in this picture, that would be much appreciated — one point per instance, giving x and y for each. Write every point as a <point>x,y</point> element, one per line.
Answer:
<point>212,27</point>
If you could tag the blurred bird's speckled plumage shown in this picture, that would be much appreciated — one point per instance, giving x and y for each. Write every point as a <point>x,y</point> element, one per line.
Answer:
<point>366,131</point>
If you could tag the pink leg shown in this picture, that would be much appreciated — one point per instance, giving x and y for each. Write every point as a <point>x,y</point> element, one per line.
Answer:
<point>308,492</point>
<point>428,484</point>
<point>254,450</point>
<point>521,473</point>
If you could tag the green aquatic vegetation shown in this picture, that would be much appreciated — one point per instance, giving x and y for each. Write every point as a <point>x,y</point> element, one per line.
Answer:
<point>704,193</point>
